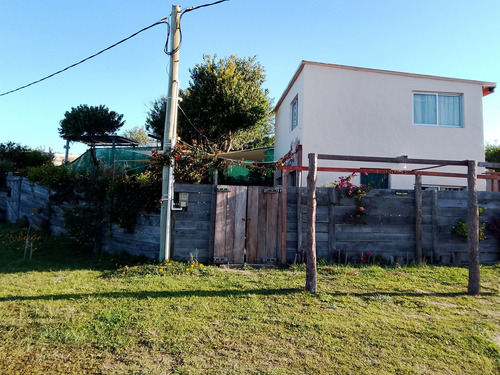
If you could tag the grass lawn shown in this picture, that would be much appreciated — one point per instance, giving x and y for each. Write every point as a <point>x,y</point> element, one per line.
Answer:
<point>68,313</point>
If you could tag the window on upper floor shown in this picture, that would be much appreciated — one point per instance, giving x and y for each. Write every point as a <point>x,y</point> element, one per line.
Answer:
<point>295,112</point>
<point>437,109</point>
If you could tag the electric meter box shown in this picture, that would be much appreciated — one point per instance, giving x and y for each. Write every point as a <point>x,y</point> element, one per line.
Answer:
<point>183,200</point>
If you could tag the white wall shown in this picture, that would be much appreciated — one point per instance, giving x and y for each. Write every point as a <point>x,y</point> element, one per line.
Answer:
<point>349,111</point>
<point>284,136</point>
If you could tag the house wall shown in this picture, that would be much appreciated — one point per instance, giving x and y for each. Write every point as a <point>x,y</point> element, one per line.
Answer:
<point>352,111</point>
<point>284,135</point>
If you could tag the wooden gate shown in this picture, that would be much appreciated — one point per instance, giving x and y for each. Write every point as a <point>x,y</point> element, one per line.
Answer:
<point>247,225</point>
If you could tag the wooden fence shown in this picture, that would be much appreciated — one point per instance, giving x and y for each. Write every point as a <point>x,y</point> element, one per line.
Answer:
<point>389,231</point>
<point>3,206</point>
<point>389,228</point>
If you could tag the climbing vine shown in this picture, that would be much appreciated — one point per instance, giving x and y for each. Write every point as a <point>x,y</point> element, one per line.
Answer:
<point>95,200</point>
<point>346,188</point>
<point>193,164</point>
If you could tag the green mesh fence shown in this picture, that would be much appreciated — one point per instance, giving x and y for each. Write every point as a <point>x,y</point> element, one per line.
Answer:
<point>121,159</point>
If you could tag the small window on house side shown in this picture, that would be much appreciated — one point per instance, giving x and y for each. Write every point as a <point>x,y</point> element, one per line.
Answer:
<point>295,112</point>
<point>437,109</point>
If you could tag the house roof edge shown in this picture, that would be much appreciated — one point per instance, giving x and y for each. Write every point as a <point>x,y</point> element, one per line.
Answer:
<point>489,86</point>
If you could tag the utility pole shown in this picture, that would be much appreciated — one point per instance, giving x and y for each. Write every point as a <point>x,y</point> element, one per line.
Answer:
<point>66,154</point>
<point>169,136</point>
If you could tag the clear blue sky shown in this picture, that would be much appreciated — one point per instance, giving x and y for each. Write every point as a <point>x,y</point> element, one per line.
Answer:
<point>451,38</point>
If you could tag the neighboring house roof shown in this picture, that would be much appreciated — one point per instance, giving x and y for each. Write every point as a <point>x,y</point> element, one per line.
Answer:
<point>488,87</point>
<point>263,154</point>
<point>108,141</point>
<point>59,158</point>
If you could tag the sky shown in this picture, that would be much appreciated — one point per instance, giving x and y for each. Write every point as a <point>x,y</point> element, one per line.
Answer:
<point>449,38</point>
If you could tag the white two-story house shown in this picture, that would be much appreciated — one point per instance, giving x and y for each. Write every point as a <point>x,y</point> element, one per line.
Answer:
<point>344,110</point>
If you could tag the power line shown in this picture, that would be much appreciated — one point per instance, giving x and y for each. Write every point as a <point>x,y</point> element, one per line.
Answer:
<point>187,10</point>
<point>203,6</point>
<point>163,20</point>
<point>194,127</point>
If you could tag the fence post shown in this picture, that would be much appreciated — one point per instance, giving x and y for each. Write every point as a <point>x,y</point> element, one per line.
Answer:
<point>13,198</point>
<point>332,237</point>
<point>311,220</point>
<point>473,229</point>
<point>284,199</point>
<point>418,218</point>
<point>435,226</point>
<point>300,253</point>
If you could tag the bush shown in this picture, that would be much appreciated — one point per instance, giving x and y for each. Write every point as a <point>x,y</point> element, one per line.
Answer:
<point>80,223</point>
<point>16,158</point>
<point>22,157</point>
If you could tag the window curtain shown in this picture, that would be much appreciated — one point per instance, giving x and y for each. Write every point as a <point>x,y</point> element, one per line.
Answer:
<point>424,109</point>
<point>450,110</point>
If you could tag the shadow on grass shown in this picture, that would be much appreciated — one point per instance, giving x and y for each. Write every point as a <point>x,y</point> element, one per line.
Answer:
<point>58,253</point>
<point>219,293</point>
<point>158,294</point>
<point>55,262</point>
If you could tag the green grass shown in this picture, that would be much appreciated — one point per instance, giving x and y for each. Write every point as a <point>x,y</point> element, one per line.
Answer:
<point>65,312</point>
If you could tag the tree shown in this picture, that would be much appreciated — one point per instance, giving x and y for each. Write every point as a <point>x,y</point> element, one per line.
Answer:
<point>225,105</point>
<point>155,122</point>
<point>492,153</point>
<point>87,123</point>
<point>137,134</point>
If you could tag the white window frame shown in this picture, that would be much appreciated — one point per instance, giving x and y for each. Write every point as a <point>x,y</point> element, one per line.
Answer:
<point>294,114</point>
<point>436,95</point>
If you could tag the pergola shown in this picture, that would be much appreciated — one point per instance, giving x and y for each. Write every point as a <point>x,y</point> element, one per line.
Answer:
<point>472,205</point>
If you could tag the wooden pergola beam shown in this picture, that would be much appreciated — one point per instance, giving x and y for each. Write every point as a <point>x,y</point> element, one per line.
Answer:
<point>394,160</point>
<point>408,172</point>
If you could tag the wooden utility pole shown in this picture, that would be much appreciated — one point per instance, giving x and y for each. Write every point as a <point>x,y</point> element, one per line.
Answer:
<point>474,286</point>
<point>169,136</point>
<point>311,221</point>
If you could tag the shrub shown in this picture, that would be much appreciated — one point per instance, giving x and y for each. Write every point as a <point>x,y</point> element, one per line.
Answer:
<point>460,230</point>
<point>16,158</point>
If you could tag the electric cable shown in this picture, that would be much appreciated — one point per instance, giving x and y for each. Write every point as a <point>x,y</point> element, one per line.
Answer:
<point>203,6</point>
<point>163,20</point>
<point>187,10</point>
<point>192,125</point>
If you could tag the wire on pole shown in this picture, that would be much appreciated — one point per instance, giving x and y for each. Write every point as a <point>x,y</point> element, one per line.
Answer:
<point>163,20</point>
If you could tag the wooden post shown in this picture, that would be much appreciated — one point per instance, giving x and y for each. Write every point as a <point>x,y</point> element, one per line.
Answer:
<point>14,185</point>
<point>435,225</point>
<point>332,238</point>
<point>284,201</point>
<point>213,210</point>
<point>418,218</point>
<point>300,253</point>
<point>473,229</point>
<point>311,220</point>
